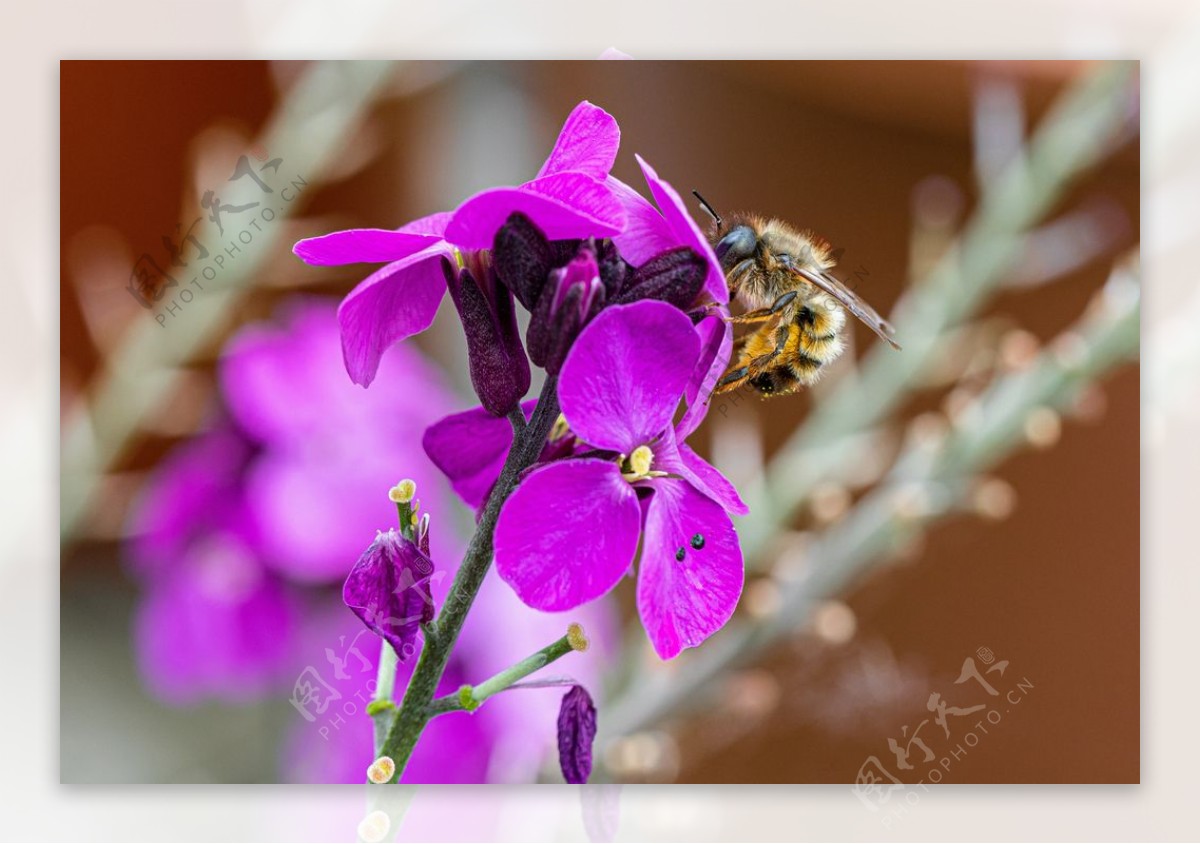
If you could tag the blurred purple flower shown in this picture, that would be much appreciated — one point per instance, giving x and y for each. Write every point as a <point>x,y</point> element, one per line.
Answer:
<point>327,451</point>
<point>215,624</point>
<point>570,198</point>
<point>619,390</point>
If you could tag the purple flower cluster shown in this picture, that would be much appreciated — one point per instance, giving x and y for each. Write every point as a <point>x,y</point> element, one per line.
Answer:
<point>627,311</point>
<point>244,534</point>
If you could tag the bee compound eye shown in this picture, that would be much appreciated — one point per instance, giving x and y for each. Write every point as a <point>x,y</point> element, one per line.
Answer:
<point>736,246</point>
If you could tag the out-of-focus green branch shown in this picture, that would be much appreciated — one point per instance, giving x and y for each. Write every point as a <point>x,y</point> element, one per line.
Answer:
<point>306,131</point>
<point>1073,137</point>
<point>1088,119</point>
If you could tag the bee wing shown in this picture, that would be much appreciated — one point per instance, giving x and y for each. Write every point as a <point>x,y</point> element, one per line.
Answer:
<point>865,313</point>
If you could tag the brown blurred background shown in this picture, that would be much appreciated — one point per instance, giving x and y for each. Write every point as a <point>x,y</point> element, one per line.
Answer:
<point>841,147</point>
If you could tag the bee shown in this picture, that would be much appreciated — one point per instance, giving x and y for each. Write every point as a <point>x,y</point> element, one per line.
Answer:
<point>781,275</point>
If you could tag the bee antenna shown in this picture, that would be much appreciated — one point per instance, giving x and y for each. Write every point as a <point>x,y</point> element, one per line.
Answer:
<point>707,207</point>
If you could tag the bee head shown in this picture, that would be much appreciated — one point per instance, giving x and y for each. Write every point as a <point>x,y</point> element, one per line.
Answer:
<point>740,244</point>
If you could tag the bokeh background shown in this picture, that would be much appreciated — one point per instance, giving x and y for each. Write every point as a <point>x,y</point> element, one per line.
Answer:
<point>885,159</point>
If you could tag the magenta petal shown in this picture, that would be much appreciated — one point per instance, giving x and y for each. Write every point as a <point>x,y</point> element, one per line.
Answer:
<point>369,246</point>
<point>686,232</point>
<point>470,448</point>
<point>563,206</point>
<point>588,143</point>
<point>705,477</point>
<point>646,231</point>
<point>392,303</point>
<point>434,224</point>
<point>716,345</point>
<point>567,534</point>
<point>622,380</point>
<point>590,197</point>
<point>685,598</point>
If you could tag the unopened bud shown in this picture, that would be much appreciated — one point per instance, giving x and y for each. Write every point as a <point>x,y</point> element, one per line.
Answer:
<point>675,277</point>
<point>573,295</point>
<point>498,366</point>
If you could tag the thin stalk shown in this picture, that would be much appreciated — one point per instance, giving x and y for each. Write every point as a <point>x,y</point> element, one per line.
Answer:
<point>469,698</point>
<point>410,721</point>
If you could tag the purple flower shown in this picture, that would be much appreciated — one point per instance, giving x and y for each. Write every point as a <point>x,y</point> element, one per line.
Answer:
<point>215,622</point>
<point>388,589</point>
<point>571,529</point>
<point>570,198</point>
<point>241,532</point>
<point>576,732</point>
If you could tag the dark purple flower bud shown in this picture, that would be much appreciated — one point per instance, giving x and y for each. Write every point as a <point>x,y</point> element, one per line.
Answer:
<point>564,251</point>
<point>612,268</point>
<point>499,368</point>
<point>675,277</point>
<point>573,295</point>
<point>523,259</point>
<point>388,589</point>
<point>576,732</point>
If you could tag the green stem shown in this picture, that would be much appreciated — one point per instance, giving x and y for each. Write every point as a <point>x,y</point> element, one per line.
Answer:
<point>410,721</point>
<point>470,697</point>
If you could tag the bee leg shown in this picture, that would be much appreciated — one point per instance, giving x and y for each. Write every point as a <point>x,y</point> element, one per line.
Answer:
<point>732,379</point>
<point>765,313</point>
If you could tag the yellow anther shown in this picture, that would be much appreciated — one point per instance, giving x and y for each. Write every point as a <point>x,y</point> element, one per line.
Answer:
<point>576,638</point>
<point>638,464</point>
<point>560,429</point>
<point>403,492</point>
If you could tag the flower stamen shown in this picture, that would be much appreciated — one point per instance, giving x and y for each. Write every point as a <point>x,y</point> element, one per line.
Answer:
<point>561,428</point>
<point>636,467</point>
<point>403,492</point>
